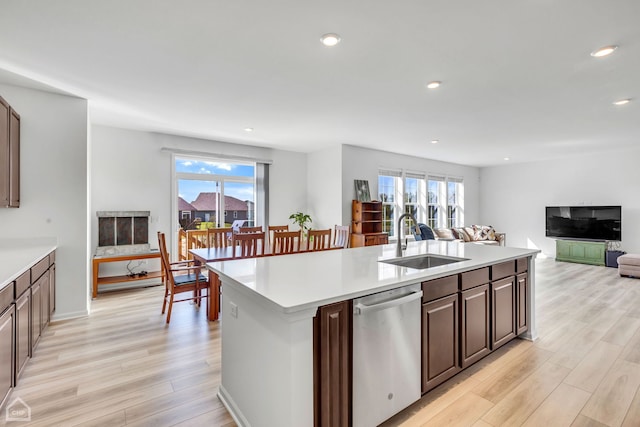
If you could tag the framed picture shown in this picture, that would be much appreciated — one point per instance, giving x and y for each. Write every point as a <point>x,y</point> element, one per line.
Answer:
<point>362,190</point>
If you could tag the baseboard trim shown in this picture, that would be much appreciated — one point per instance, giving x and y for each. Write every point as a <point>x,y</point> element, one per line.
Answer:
<point>231,406</point>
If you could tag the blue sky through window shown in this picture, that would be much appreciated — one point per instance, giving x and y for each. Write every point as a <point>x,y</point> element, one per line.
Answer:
<point>189,189</point>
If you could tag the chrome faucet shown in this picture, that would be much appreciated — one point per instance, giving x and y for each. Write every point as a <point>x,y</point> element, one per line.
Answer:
<point>399,228</point>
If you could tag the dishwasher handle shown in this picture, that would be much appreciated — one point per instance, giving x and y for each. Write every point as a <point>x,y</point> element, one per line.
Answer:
<point>360,308</point>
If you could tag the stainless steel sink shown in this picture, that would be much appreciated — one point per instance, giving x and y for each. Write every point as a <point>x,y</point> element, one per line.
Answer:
<point>420,262</point>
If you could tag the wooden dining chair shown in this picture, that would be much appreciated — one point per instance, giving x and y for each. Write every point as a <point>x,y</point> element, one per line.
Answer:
<point>197,239</point>
<point>272,229</point>
<point>285,242</point>
<point>183,246</point>
<point>248,245</point>
<point>219,237</point>
<point>341,236</point>
<point>181,277</point>
<point>245,230</point>
<point>319,240</point>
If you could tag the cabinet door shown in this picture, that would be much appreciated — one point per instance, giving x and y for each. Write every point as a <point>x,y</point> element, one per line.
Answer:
<point>503,311</point>
<point>6,352</point>
<point>332,365</point>
<point>36,310</point>
<point>440,350</point>
<point>23,342</point>
<point>475,312</point>
<point>383,239</point>
<point>44,301</point>
<point>522,299</point>
<point>4,153</point>
<point>52,290</point>
<point>14,160</point>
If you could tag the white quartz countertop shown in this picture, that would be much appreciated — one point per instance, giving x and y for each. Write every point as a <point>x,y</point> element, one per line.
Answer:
<point>19,255</point>
<point>292,283</point>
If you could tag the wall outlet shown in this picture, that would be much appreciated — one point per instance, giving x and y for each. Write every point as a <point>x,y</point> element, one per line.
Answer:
<point>234,309</point>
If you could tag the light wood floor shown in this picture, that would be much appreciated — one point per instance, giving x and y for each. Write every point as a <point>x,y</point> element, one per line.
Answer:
<point>122,366</point>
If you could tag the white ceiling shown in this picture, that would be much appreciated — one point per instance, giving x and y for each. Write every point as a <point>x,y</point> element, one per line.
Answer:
<point>517,77</point>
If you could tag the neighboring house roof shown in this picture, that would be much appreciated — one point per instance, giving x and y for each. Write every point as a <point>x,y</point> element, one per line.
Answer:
<point>209,202</point>
<point>183,205</point>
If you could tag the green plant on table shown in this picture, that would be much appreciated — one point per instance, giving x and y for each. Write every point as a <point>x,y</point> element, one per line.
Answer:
<point>302,220</point>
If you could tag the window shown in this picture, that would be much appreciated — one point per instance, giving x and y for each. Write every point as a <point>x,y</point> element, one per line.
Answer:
<point>388,188</point>
<point>210,188</point>
<point>455,202</point>
<point>435,200</point>
<point>414,199</point>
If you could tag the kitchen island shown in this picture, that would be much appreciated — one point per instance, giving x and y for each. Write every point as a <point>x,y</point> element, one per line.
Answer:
<point>286,321</point>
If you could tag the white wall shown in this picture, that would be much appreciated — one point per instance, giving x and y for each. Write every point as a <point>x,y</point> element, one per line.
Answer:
<point>130,172</point>
<point>513,198</point>
<point>53,194</point>
<point>324,187</point>
<point>362,163</point>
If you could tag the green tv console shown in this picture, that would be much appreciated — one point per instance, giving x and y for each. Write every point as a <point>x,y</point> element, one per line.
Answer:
<point>581,252</point>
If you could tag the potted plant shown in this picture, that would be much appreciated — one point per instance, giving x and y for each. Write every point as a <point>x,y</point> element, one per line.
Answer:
<point>302,220</point>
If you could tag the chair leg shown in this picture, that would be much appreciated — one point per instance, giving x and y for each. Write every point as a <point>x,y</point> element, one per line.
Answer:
<point>170,307</point>
<point>164,302</point>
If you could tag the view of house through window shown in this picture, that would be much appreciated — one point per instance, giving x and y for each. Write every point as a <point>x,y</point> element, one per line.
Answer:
<point>437,201</point>
<point>214,193</point>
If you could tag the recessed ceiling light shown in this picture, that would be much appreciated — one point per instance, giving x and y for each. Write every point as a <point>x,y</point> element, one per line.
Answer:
<point>506,158</point>
<point>248,129</point>
<point>434,141</point>
<point>433,85</point>
<point>330,39</point>
<point>604,51</point>
<point>622,102</point>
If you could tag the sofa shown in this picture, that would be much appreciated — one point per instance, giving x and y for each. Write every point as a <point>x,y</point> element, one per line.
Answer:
<point>479,234</point>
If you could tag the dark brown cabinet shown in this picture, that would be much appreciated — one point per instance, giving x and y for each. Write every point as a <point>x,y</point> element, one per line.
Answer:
<point>7,326</point>
<point>440,335</point>
<point>522,299</point>
<point>503,311</point>
<point>332,329</point>
<point>366,224</point>
<point>9,156</point>
<point>36,311</point>
<point>474,315</point>
<point>23,343</point>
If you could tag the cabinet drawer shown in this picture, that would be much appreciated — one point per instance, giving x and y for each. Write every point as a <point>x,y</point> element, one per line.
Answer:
<point>504,269</point>
<point>438,288</point>
<point>22,283</point>
<point>39,269</point>
<point>6,296</point>
<point>471,279</point>
<point>521,265</point>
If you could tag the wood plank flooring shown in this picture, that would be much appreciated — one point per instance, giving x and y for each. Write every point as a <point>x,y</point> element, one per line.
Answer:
<point>123,366</point>
<point>584,370</point>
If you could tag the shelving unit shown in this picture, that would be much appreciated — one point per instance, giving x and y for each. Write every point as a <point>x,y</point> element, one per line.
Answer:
<point>367,224</point>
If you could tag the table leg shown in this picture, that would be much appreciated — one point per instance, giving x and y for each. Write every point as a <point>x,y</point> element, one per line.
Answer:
<point>214,296</point>
<point>95,278</point>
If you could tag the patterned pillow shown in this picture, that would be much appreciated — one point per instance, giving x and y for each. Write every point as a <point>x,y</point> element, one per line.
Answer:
<point>461,234</point>
<point>470,233</point>
<point>483,232</point>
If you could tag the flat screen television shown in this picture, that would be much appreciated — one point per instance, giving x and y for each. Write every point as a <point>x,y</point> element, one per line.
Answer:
<point>584,222</point>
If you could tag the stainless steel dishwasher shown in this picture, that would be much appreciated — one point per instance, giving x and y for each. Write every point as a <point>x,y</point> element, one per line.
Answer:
<point>386,354</point>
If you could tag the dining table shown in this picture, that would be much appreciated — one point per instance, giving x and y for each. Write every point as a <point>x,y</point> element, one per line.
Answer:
<point>202,256</point>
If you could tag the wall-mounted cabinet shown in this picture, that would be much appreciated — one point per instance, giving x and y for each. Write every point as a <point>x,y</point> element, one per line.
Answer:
<point>9,156</point>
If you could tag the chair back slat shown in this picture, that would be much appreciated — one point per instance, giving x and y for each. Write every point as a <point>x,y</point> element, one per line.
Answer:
<point>319,240</point>
<point>246,230</point>
<point>341,236</point>
<point>248,245</point>
<point>285,242</point>
<point>219,237</point>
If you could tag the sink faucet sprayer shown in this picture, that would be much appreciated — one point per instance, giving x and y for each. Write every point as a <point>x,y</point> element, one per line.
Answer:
<point>415,223</point>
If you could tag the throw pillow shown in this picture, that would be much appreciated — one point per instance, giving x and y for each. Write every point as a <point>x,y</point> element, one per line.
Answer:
<point>484,232</point>
<point>470,233</point>
<point>443,233</point>
<point>461,234</point>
